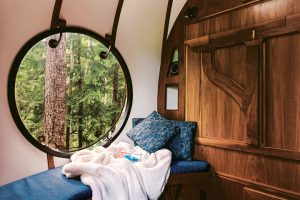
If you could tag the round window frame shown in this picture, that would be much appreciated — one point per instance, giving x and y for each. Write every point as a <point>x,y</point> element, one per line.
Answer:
<point>12,79</point>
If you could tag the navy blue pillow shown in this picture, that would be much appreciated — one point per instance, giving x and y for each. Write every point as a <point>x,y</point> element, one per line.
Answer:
<point>181,145</point>
<point>153,133</point>
<point>136,121</point>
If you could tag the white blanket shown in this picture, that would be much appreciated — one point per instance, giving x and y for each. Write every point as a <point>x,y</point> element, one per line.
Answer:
<point>113,178</point>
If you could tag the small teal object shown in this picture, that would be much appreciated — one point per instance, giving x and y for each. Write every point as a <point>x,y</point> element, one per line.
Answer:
<point>131,158</point>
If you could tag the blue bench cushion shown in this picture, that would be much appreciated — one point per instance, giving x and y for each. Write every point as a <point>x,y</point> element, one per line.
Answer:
<point>48,185</point>
<point>182,167</point>
<point>52,184</point>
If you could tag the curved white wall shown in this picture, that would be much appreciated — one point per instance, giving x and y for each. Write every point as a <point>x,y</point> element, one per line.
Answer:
<point>139,40</point>
<point>176,8</point>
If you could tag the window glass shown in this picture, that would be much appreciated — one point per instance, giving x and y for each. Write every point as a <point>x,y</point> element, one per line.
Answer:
<point>68,98</point>
<point>173,68</point>
<point>172,97</point>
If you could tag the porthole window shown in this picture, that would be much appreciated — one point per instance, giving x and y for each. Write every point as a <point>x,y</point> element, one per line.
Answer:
<point>70,97</point>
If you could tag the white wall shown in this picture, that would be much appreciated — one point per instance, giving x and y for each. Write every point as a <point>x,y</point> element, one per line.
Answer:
<point>139,40</point>
<point>18,22</point>
<point>177,5</point>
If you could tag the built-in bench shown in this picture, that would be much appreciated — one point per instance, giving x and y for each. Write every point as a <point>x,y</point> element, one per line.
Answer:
<point>52,184</point>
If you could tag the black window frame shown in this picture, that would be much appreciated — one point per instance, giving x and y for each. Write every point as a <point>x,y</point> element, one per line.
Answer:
<point>13,74</point>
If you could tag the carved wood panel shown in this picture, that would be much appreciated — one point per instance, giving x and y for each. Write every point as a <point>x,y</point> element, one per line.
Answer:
<point>221,113</point>
<point>229,93</point>
<point>265,88</point>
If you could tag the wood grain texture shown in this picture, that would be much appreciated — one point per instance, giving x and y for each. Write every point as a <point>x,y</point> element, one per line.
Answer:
<point>175,40</point>
<point>221,103</point>
<point>50,161</point>
<point>283,112</point>
<point>251,194</point>
<point>192,186</point>
<point>230,139</point>
<point>243,147</point>
<point>253,147</point>
<point>193,92</point>
<point>250,96</point>
<point>256,169</point>
<point>244,17</point>
<point>223,81</point>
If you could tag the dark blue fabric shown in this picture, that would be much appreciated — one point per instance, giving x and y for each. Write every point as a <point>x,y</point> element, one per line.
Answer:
<point>136,121</point>
<point>182,143</point>
<point>182,167</point>
<point>153,133</point>
<point>48,185</point>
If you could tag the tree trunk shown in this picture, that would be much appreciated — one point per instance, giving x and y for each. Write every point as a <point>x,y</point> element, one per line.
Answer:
<point>80,90</point>
<point>55,95</point>
<point>115,93</point>
<point>69,108</point>
<point>116,85</point>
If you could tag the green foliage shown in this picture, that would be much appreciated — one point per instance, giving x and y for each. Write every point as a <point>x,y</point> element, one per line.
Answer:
<point>90,83</point>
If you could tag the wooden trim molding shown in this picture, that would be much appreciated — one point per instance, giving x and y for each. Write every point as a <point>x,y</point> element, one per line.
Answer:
<point>237,36</point>
<point>50,161</point>
<point>167,23</point>
<point>281,26</point>
<point>243,147</point>
<point>246,4</point>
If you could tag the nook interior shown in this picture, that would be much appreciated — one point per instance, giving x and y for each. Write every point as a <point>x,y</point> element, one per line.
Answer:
<point>220,76</point>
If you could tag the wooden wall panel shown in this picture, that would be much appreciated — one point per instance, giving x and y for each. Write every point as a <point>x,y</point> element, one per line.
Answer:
<point>193,82</point>
<point>221,117</point>
<point>242,88</point>
<point>245,16</point>
<point>271,173</point>
<point>283,93</point>
<point>241,142</point>
<point>232,63</point>
<point>174,41</point>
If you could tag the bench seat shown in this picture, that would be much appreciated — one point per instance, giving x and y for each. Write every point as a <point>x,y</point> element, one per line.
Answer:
<point>47,185</point>
<point>52,184</point>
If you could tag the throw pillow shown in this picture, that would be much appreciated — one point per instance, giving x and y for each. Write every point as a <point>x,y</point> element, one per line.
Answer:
<point>153,133</point>
<point>181,145</point>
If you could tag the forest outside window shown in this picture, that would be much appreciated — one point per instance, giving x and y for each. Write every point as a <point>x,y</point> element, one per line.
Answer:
<point>67,98</point>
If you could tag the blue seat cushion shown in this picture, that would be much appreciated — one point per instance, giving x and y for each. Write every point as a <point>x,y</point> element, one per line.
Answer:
<point>48,185</point>
<point>183,166</point>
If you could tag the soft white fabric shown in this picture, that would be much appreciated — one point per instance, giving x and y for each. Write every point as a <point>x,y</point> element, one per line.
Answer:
<point>118,178</point>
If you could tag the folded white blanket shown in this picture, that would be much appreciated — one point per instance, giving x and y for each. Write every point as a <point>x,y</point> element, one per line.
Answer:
<point>113,178</point>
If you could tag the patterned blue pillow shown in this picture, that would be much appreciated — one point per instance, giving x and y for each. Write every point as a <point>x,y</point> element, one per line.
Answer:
<point>153,133</point>
<point>181,145</point>
<point>136,121</point>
